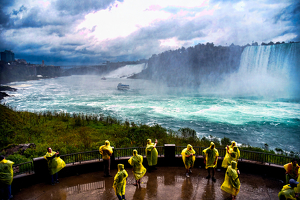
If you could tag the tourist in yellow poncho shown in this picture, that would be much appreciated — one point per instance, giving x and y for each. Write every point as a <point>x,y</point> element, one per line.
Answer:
<point>231,183</point>
<point>55,164</point>
<point>232,153</point>
<point>151,154</point>
<point>287,192</point>
<point>211,160</point>
<point>291,170</point>
<point>6,176</point>
<point>120,182</point>
<point>136,161</point>
<point>297,189</point>
<point>106,152</point>
<point>188,157</point>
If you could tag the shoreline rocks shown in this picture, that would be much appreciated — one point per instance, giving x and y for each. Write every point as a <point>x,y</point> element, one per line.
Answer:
<point>5,88</point>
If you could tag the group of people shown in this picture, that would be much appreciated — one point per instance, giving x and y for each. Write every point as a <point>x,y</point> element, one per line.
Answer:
<point>136,161</point>
<point>292,188</point>
<point>230,185</point>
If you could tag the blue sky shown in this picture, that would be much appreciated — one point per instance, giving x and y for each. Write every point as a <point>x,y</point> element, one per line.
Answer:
<point>74,32</point>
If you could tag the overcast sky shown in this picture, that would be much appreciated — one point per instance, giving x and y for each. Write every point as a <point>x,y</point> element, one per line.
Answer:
<point>64,32</point>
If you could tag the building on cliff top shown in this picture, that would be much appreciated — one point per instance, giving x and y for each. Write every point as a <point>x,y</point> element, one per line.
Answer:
<point>7,56</point>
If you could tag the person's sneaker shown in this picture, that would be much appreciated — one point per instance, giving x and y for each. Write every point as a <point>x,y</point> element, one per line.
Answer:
<point>187,175</point>
<point>190,171</point>
<point>213,179</point>
<point>208,177</point>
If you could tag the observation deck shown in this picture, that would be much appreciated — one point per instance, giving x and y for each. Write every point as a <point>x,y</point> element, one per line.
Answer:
<point>83,178</point>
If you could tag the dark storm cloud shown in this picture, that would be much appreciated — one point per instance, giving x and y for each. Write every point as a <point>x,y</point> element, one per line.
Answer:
<point>291,14</point>
<point>34,18</point>
<point>16,12</point>
<point>75,7</point>
<point>4,17</point>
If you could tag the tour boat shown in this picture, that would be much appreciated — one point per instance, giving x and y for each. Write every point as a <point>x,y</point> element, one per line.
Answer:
<point>122,87</point>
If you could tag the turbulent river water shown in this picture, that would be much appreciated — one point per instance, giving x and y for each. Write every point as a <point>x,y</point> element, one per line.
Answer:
<point>246,119</point>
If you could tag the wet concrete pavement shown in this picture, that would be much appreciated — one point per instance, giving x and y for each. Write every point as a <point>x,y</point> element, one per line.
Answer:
<point>163,184</point>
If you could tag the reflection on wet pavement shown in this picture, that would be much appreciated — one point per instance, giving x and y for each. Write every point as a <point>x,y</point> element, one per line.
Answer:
<point>165,183</point>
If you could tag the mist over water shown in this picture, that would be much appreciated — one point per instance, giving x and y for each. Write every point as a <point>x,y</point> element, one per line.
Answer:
<point>255,105</point>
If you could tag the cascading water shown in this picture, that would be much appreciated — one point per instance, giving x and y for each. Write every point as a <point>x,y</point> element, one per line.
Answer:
<point>127,71</point>
<point>269,71</point>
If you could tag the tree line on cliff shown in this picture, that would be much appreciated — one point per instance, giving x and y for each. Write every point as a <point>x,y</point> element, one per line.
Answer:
<point>193,65</point>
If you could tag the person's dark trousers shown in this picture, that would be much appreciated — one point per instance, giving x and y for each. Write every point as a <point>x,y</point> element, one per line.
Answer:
<point>5,191</point>
<point>121,198</point>
<point>54,178</point>
<point>106,167</point>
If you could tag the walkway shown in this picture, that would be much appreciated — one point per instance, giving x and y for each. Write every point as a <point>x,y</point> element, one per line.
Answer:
<point>164,184</point>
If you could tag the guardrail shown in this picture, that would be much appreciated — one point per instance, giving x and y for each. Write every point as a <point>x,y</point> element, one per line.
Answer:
<point>23,168</point>
<point>74,158</point>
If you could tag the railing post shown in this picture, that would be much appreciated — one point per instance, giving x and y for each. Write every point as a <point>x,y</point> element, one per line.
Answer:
<point>112,159</point>
<point>40,168</point>
<point>169,154</point>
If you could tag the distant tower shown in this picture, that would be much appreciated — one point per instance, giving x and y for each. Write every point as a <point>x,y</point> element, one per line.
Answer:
<point>7,56</point>
<point>43,63</point>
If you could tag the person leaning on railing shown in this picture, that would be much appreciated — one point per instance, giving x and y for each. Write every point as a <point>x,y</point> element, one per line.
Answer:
<point>232,153</point>
<point>291,170</point>
<point>106,152</point>
<point>55,164</point>
<point>151,154</point>
<point>6,177</point>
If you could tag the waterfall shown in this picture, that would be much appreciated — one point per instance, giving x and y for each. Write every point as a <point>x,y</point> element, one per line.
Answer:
<point>127,71</point>
<point>271,70</point>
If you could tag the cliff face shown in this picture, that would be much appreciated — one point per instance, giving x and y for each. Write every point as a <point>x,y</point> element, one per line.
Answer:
<point>192,66</point>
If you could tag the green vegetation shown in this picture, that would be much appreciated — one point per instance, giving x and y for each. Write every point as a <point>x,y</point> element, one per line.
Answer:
<point>71,133</point>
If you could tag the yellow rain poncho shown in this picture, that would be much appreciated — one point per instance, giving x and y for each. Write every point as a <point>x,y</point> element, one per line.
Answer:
<point>6,172</point>
<point>211,156</point>
<point>55,164</point>
<point>234,154</point>
<point>136,161</point>
<point>291,171</point>
<point>120,180</point>
<point>188,161</point>
<point>151,153</point>
<point>106,150</point>
<point>231,183</point>
<point>288,192</point>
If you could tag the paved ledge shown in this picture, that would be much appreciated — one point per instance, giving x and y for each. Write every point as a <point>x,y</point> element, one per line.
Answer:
<point>163,184</point>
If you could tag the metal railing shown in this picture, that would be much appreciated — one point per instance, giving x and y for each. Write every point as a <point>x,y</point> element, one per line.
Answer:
<point>23,168</point>
<point>128,152</point>
<point>77,158</point>
<point>81,157</point>
<point>245,155</point>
